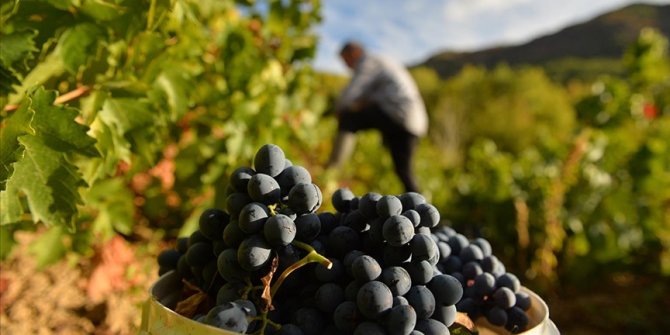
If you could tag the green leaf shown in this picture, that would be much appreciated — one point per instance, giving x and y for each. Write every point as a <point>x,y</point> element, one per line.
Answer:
<point>114,202</point>
<point>7,241</point>
<point>127,113</point>
<point>49,182</point>
<point>102,10</point>
<point>176,87</point>
<point>77,44</point>
<point>16,47</point>
<point>17,124</point>
<point>49,247</point>
<point>56,124</point>
<point>7,80</point>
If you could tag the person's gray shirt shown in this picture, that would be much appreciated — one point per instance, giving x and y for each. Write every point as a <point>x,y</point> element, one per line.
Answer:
<point>388,84</point>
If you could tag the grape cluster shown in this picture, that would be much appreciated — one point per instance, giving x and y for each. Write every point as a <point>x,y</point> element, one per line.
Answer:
<point>379,264</point>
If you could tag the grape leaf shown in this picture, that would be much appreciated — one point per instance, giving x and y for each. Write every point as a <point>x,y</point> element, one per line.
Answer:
<point>16,47</point>
<point>102,10</point>
<point>17,124</point>
<point>77,44</point>
<point>56,124</point>
<point>48,181</point>
<point>114,203</point>
<point>6,241</point>
<point>7,79</point>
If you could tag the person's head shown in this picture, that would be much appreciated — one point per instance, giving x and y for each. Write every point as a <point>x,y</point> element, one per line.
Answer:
<point>351,53</point>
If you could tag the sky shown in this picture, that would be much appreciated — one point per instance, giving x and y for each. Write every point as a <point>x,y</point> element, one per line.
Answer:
<point>412,30</point>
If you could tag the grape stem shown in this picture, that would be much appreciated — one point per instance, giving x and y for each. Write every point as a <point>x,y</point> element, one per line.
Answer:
<point>311,257</point>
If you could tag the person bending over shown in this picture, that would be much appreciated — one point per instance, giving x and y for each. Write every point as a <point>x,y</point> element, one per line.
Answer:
<point>380,95</point>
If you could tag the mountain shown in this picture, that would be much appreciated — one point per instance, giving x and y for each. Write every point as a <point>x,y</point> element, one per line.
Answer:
<point>595,45</point>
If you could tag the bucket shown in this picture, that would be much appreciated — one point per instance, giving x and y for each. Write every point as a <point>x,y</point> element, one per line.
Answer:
<point>158,317</point>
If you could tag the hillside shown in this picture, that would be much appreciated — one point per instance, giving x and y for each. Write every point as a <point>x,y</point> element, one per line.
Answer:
<point>594,45</point>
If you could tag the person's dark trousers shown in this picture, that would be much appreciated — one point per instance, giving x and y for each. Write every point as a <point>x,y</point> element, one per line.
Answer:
<point>399,141</point>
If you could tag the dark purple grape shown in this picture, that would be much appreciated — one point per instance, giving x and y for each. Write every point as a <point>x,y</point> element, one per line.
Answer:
<point>240,178</point>
<point>398,230</point>
<point>279,230</point>
<point>270,160</point>
<point>342,200</point>
<point>264,189</point>
<point>420,297</point>
<point>212,222</point>
<point>400,320</point>
<point>373,298</point>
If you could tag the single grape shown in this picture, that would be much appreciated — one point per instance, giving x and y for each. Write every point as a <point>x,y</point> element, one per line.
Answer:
<point>342,200</point>
<point>230,292</point>
<point>510,281</point>
<point>356,221</point>
<point>484,245</point>
<point>229,268</point>
<point>264,189</point>
<point>431,327</point>
<point>304,198</point>
<point>397,279</point>
<point>211,223</point>
<point>229,316</point>
<point>400,320</point>
<point>457,242</point>
<point>253,253</point>
<point>413,216</point>
<point>240,178</point>
<point>292,176</point>
<point>497,316</point>
<point>471,253</point>
<point>169,258</point>
<point>346,316</point>
<point>233,235</point>
<point>420,297</point>
<point>252,217</point>
<point>279,230</point>
<point>484,284</point>
<point>504,297</point>
<point>446,289</point>
<point>199,254</point>
<point>365,268</point>
<point>445,314</point>
<point>388,205</point>
<point>373,298</point>
<point>420,271</point>
<point>517,320</point>
<point>430,216</point>
<point>308,227</point>
<point>471,270</point>
<point>424,248</point>
<point>522,300</point>
<point>398,230</point>
<point>270,160</point>
<point>367,205</point>
<point>410,200</point>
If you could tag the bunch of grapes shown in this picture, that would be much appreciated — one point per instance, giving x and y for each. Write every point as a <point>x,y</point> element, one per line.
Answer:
<point>379,264</point>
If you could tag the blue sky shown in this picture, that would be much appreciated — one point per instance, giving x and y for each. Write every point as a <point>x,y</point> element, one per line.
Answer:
<point>412,30</point>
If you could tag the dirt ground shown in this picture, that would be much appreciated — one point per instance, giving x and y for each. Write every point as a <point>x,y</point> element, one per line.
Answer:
<point>104,294</point>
